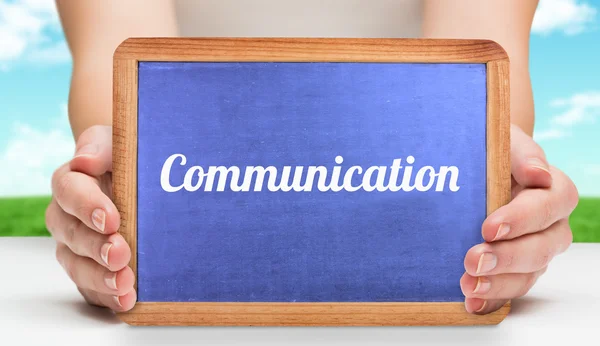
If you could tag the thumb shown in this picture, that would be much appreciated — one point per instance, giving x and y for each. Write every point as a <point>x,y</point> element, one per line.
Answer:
<point>528,162</point>
<point>93,153</point>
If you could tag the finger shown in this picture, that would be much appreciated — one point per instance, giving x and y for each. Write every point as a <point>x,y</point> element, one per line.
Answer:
<point>79,195</point>
<point>532,210</point>
<point>110,251</point>
<point>502,286</point>
<point>91,297</point>
<point>116,303</point>
<point>528,161</point>
<point>87,274</point>
<point>93,153</point>
<point>525,254</point>
<point>481,306</point>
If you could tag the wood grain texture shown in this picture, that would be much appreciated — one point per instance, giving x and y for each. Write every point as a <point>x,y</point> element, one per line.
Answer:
<point>126,59</point>
<point>498,135</point>
<point>308,314</point>
<point>310,49</point>
<point>125,151</point>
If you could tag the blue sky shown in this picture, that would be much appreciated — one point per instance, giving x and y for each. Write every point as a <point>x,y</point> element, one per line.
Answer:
<point>566,84</point>
<point>35,69</point>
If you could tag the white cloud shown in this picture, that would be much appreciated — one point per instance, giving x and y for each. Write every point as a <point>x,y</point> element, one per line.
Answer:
<point>26,28</point>
<point>570,17</point>
<point>549,134</point>
<point>575,110</point>
<point>31,155</point>
<point>583,107</point>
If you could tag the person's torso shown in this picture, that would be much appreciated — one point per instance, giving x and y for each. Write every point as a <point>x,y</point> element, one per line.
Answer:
<point>299,18</point>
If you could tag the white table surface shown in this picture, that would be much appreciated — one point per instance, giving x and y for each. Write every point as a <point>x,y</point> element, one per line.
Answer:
<point>40,306</point>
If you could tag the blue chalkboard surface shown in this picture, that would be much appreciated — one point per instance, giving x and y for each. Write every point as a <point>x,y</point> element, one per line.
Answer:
<point>401,148</point>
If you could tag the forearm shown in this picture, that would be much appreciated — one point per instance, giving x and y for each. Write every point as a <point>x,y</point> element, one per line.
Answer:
<point>508,22</point>
<point>522,112</point>
<point>94,28</point>
<point>90,98</point>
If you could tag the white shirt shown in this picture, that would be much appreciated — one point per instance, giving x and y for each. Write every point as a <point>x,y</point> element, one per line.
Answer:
<point>300,18</point>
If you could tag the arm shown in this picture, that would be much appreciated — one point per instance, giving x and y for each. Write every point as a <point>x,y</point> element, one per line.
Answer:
<point>508,22</point>
<point>81,216</point>
<point>523,236</point>
<point>93,30</point>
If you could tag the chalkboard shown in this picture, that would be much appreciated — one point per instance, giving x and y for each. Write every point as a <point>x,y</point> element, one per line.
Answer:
<point>315,180</point>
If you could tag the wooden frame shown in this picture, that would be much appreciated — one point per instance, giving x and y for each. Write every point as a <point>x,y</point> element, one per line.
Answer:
<point>126,59</point>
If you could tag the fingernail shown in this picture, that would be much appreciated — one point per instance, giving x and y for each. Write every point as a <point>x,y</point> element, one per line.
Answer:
<point>482,306</point>
<point>117,301</point>
<point>487,262</point>
<point>483,286</point>
<point>104,252</point>
<point>502,231</point>
<point>110,280</point>
<point>538,163</point>
<point>98,219</point>
<point>88,149</point>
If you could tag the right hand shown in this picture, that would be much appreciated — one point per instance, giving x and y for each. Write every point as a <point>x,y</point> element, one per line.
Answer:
<point>83,220</point>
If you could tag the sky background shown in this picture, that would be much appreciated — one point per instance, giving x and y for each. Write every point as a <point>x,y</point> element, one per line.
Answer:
<point>35,68</point>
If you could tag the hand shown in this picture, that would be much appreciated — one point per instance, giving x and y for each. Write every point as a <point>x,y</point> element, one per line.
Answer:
<point>83,220</point>
<point>523,236</point>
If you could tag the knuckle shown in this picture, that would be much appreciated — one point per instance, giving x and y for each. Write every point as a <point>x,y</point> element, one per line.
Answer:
<point>58,254</point>
<point>521,218</point>
<point>70,232</point>
<point>70,270</point>
<point>531,280</point>
<point>49,218</point>
<point>67,264</point>
<point>63,184</point>
<point>72,273</point>
<point>509,260</point>
<point>87,295</point>
<point>500,286</point>
<point>85,199</point>
<point>79,238</point>
<point>566,236</point>
<point>522,291</point>
<point>90,297</point>
<point>56,176</point>
<point>547,210</point>
<point>526,287</point>
<point>88,199</point>
<point>543,257</point>
<point>572,195</point>
<point>82,208</point>
<point>90,245</point>
<point>568,192</point>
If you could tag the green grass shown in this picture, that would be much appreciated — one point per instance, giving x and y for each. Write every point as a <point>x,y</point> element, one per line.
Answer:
<point>25,217</point>
<point>585,221</point>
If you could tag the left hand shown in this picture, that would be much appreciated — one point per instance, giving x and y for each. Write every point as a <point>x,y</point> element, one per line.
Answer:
<point>522,237</point>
